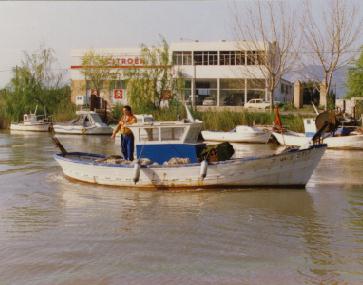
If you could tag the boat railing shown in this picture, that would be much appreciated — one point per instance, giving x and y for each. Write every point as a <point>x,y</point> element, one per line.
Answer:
<point>36,118</point>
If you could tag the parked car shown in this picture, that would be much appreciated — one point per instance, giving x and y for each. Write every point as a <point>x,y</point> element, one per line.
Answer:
<point>209,101</point>
<point>257,104</point>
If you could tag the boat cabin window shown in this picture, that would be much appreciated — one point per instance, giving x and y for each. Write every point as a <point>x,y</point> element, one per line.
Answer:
<point>161,134</point>
<point>148,134</point>
<point>172,133</point>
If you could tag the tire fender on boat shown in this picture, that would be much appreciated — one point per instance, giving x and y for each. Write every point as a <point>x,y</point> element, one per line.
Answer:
<point>203,169</point>
<point>136,176</point>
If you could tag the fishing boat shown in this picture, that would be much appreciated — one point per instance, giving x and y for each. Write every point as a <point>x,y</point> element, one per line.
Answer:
<point>87,123</point>
<point>32,122</point>
<point>241,134</point>
<point>291,168</point>
<point>341,138</point>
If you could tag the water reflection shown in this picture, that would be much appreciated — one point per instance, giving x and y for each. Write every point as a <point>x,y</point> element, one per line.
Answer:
<point>339,167</point>
<point>64,232</point>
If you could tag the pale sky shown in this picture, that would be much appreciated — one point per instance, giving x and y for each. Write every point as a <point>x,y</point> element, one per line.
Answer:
<point>67,25</point>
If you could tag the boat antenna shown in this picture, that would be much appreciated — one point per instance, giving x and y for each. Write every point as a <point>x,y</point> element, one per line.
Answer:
<point>315,110</point>
<point>189,114</point>
<point>278,124</point>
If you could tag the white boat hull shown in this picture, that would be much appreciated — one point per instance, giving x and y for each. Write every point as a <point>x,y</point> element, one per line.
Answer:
<point>287,169</point>
<point>345,142</point>
<point>292,139</point>
<point>79,130</point>
<point>41,127</point>
<point>341,142</point>
<point>236,137</point>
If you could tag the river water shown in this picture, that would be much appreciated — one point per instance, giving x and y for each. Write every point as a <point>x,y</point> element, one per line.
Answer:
<point>56,231</point>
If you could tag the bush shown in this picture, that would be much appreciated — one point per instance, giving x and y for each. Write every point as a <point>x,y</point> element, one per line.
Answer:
<point>293,122</point>
<point>116,112</point>
<point>66,111</point>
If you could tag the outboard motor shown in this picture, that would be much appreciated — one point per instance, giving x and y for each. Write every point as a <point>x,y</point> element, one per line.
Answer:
<point>325,122</point>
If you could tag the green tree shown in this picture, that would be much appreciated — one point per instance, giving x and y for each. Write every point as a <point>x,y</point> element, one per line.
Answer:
<point>97,69</point>
<point>355,78</point>
<point>146,87</point>
<point>34,83</point>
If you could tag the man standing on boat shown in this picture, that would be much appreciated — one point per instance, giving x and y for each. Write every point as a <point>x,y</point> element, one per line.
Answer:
<point>127,137</point>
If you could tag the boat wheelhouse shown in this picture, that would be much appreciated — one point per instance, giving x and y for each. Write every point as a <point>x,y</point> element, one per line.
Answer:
<point>166,132</point>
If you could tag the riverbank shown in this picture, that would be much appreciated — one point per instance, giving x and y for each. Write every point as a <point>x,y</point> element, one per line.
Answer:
<point>212,120</point>
<point>226,120</point>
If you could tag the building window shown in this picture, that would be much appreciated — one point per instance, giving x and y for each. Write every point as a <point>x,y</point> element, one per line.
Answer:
<point>212,58</point>
<point>232,58</point>
<point>232,92</point>
<point>198,58</point>
<point>187,58</point>
<point>240,58</point>
<point>255,58</point>
<point>256,83</point>
<point>182,58</point>
<point>205,58</point>
<point>177,57</point>
<point>255,94</point>
<point>224,58</point>
<point>206,92</point>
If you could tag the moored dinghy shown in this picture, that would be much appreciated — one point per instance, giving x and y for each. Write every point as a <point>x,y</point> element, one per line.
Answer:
<point>241,134</point>
<point>87,123</point>
<point>289,168</point>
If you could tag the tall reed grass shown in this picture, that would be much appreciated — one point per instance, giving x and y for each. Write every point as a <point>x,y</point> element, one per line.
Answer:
<point>227,120</point>
<point>222,120</point>
<point>66,111</point>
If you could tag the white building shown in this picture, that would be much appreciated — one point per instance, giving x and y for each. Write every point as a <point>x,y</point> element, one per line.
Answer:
<point>216,73</point>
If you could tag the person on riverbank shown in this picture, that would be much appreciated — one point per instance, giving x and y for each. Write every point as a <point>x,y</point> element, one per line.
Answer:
<point>127,137</point>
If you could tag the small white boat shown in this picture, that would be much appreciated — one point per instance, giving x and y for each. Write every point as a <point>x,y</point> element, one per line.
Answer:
<point>289,168</point>
<point>87,123</point>
<point>353,140</point>
<point>291,138</point>
<point>241,134</point>
<point>33,123</point>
